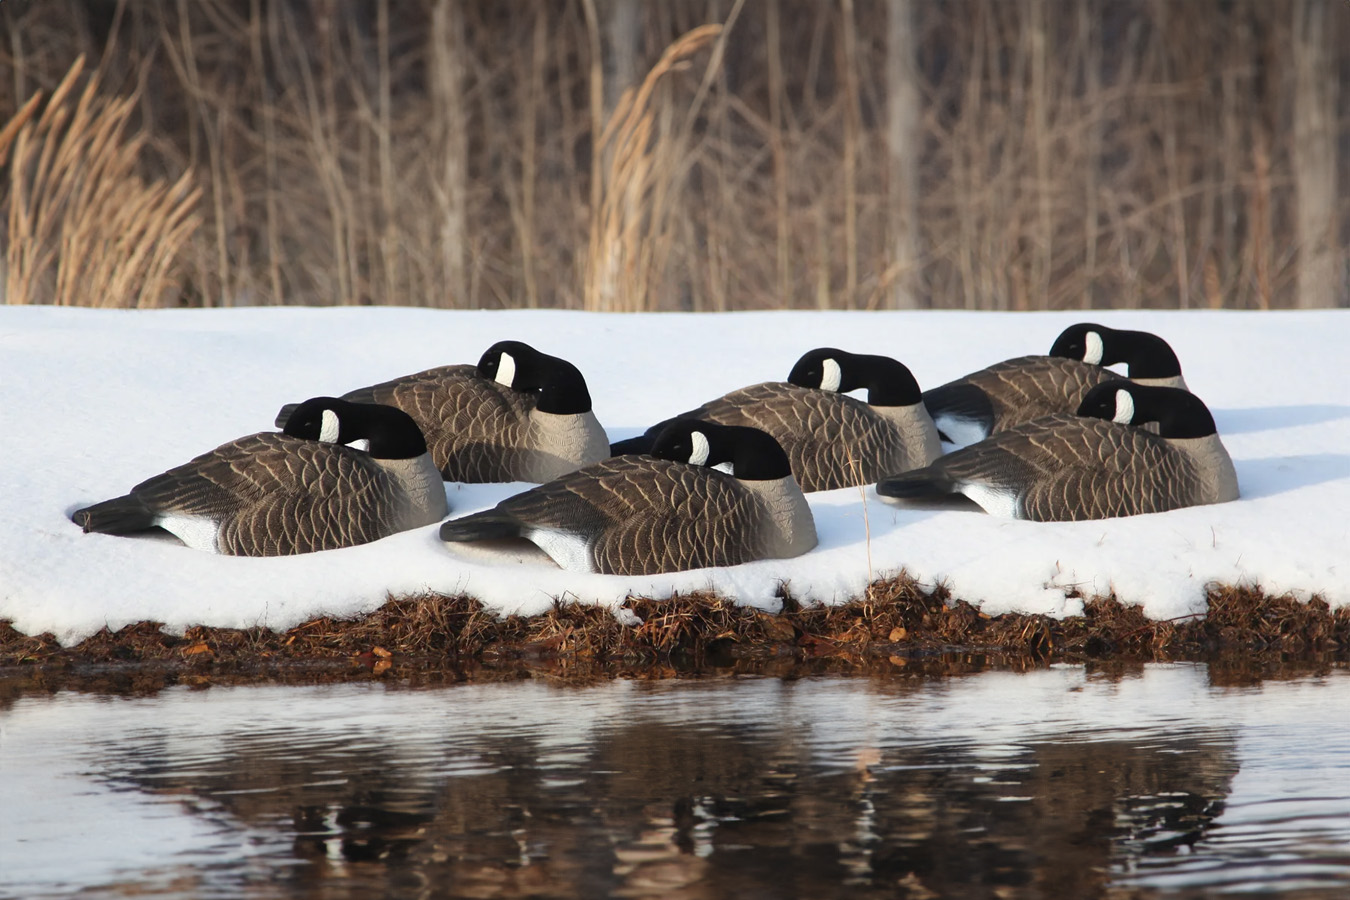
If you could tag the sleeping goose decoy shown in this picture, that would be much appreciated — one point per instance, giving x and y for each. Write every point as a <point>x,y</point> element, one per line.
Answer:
<point>1018,390</point>
<point>831,440</point>
<point>708,495</point>
<point>1095,465</point>
<point>276,494</point>
<point>519,415</point>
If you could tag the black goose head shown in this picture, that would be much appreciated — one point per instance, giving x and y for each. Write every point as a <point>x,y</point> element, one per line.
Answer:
<point>1145,354</point>
<point>517,365</point>
<point>1179,414</point>
<point>747,453</point>
<point>391,433</point>
<point>888,382</point>
<point>820,369</point>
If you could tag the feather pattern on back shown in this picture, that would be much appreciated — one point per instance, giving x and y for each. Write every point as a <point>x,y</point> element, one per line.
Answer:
<point>831,440</point>
<point>1067,468</point>
<point>476,428</point>
<point>647,515</point>
<point>642,515</point>
<point>1017,390</point>
<point>275,495</point>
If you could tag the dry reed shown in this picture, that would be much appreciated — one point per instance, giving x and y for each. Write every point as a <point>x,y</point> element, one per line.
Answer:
<point>777,153</point>
<point>630,231</point>
<point>82,227</point>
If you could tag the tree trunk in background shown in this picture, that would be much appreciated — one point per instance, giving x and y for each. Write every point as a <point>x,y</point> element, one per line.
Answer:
<point>1314,155</point>
<point>1038,50</point>
<point>451,129</point>
<point>1089,41</point>
<point>903,142</point>
<point>778,145</point>
<point>994,154</point>
<point>848,64</point>
<point>615,30</point>
<point>622,24</point>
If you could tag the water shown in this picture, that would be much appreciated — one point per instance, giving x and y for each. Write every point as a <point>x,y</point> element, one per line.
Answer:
<point>1051,784</point>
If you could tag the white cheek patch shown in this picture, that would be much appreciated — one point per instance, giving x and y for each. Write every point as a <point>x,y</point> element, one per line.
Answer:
<point>727,467</point>
<point>699,457</point>
<point>328,432</point>
<point>1094,350</point>
<point>833,376</point>
<point>362,444</point>
<point>1124,408</point>
<point>506,370</point>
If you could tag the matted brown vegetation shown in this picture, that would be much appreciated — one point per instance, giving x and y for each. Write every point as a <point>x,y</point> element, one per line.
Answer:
<point>898,622</point>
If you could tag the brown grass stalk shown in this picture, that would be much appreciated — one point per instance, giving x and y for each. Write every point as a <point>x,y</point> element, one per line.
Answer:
<point>454,154</point>
<point>629,224</point>
<point>83,227</point>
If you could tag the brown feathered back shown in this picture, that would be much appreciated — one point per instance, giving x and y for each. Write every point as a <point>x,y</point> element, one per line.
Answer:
<point>476,429</point>
<point>1067,468</point>
<point>832,440</point>
<point>1027,387</point>
<point>275,495</point>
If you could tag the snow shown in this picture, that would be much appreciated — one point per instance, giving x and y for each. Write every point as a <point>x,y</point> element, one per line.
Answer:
<point>98,400</point>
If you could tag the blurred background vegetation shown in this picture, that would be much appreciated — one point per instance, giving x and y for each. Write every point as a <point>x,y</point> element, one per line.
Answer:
<point>676,155</point>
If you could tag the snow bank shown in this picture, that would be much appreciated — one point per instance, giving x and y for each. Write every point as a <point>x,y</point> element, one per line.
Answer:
<point>96,401</point>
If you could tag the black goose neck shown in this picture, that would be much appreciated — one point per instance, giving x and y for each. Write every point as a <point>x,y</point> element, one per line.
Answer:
<point>390,432</point>
<point>393,434</point>
<point>1179,414</point>
<point>562,389</point>
<point>753,454</point>
<point>558,385</point>
<point>888,381</point>
<point>1145,354</point>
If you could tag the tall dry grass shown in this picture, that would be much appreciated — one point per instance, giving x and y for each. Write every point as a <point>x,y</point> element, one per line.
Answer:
<point>82,227</point>
<point>730,154</point>
<point>631,230</point>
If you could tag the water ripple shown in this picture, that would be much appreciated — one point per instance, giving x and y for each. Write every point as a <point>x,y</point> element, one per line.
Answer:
<point>1080,785</point>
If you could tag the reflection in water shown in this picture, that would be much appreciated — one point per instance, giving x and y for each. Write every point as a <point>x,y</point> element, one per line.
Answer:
<point>994,786</point>
<point>652,809</point>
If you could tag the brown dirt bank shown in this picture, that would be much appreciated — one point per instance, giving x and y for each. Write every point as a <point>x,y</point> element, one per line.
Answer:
<point>897,624</point>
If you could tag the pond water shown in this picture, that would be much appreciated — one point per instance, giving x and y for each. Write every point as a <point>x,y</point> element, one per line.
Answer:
<point>1055,783</point>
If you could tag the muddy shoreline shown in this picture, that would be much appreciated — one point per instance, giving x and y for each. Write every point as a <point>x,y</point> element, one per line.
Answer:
<point>897,626</point>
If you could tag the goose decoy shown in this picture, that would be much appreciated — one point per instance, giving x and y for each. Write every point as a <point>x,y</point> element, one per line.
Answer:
<point>707,495</point>
<point>276,494</point>
<point>1095,465</point>
<point>518,415</point>
<point>831,440</point>
<point>1018,390</point>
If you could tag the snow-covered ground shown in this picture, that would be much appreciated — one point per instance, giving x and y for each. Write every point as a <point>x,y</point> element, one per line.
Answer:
<point>96,401</point>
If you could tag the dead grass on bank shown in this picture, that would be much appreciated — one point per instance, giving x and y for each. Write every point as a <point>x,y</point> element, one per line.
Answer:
<point>896,623</point>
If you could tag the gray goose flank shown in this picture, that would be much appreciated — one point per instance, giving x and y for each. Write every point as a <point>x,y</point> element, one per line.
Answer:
<point>678,508</point>
<point>301,490</point>
<point>1019,390</point>
<point>832,440</point>
<point>1095,465</point>
<point>518,415</point>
